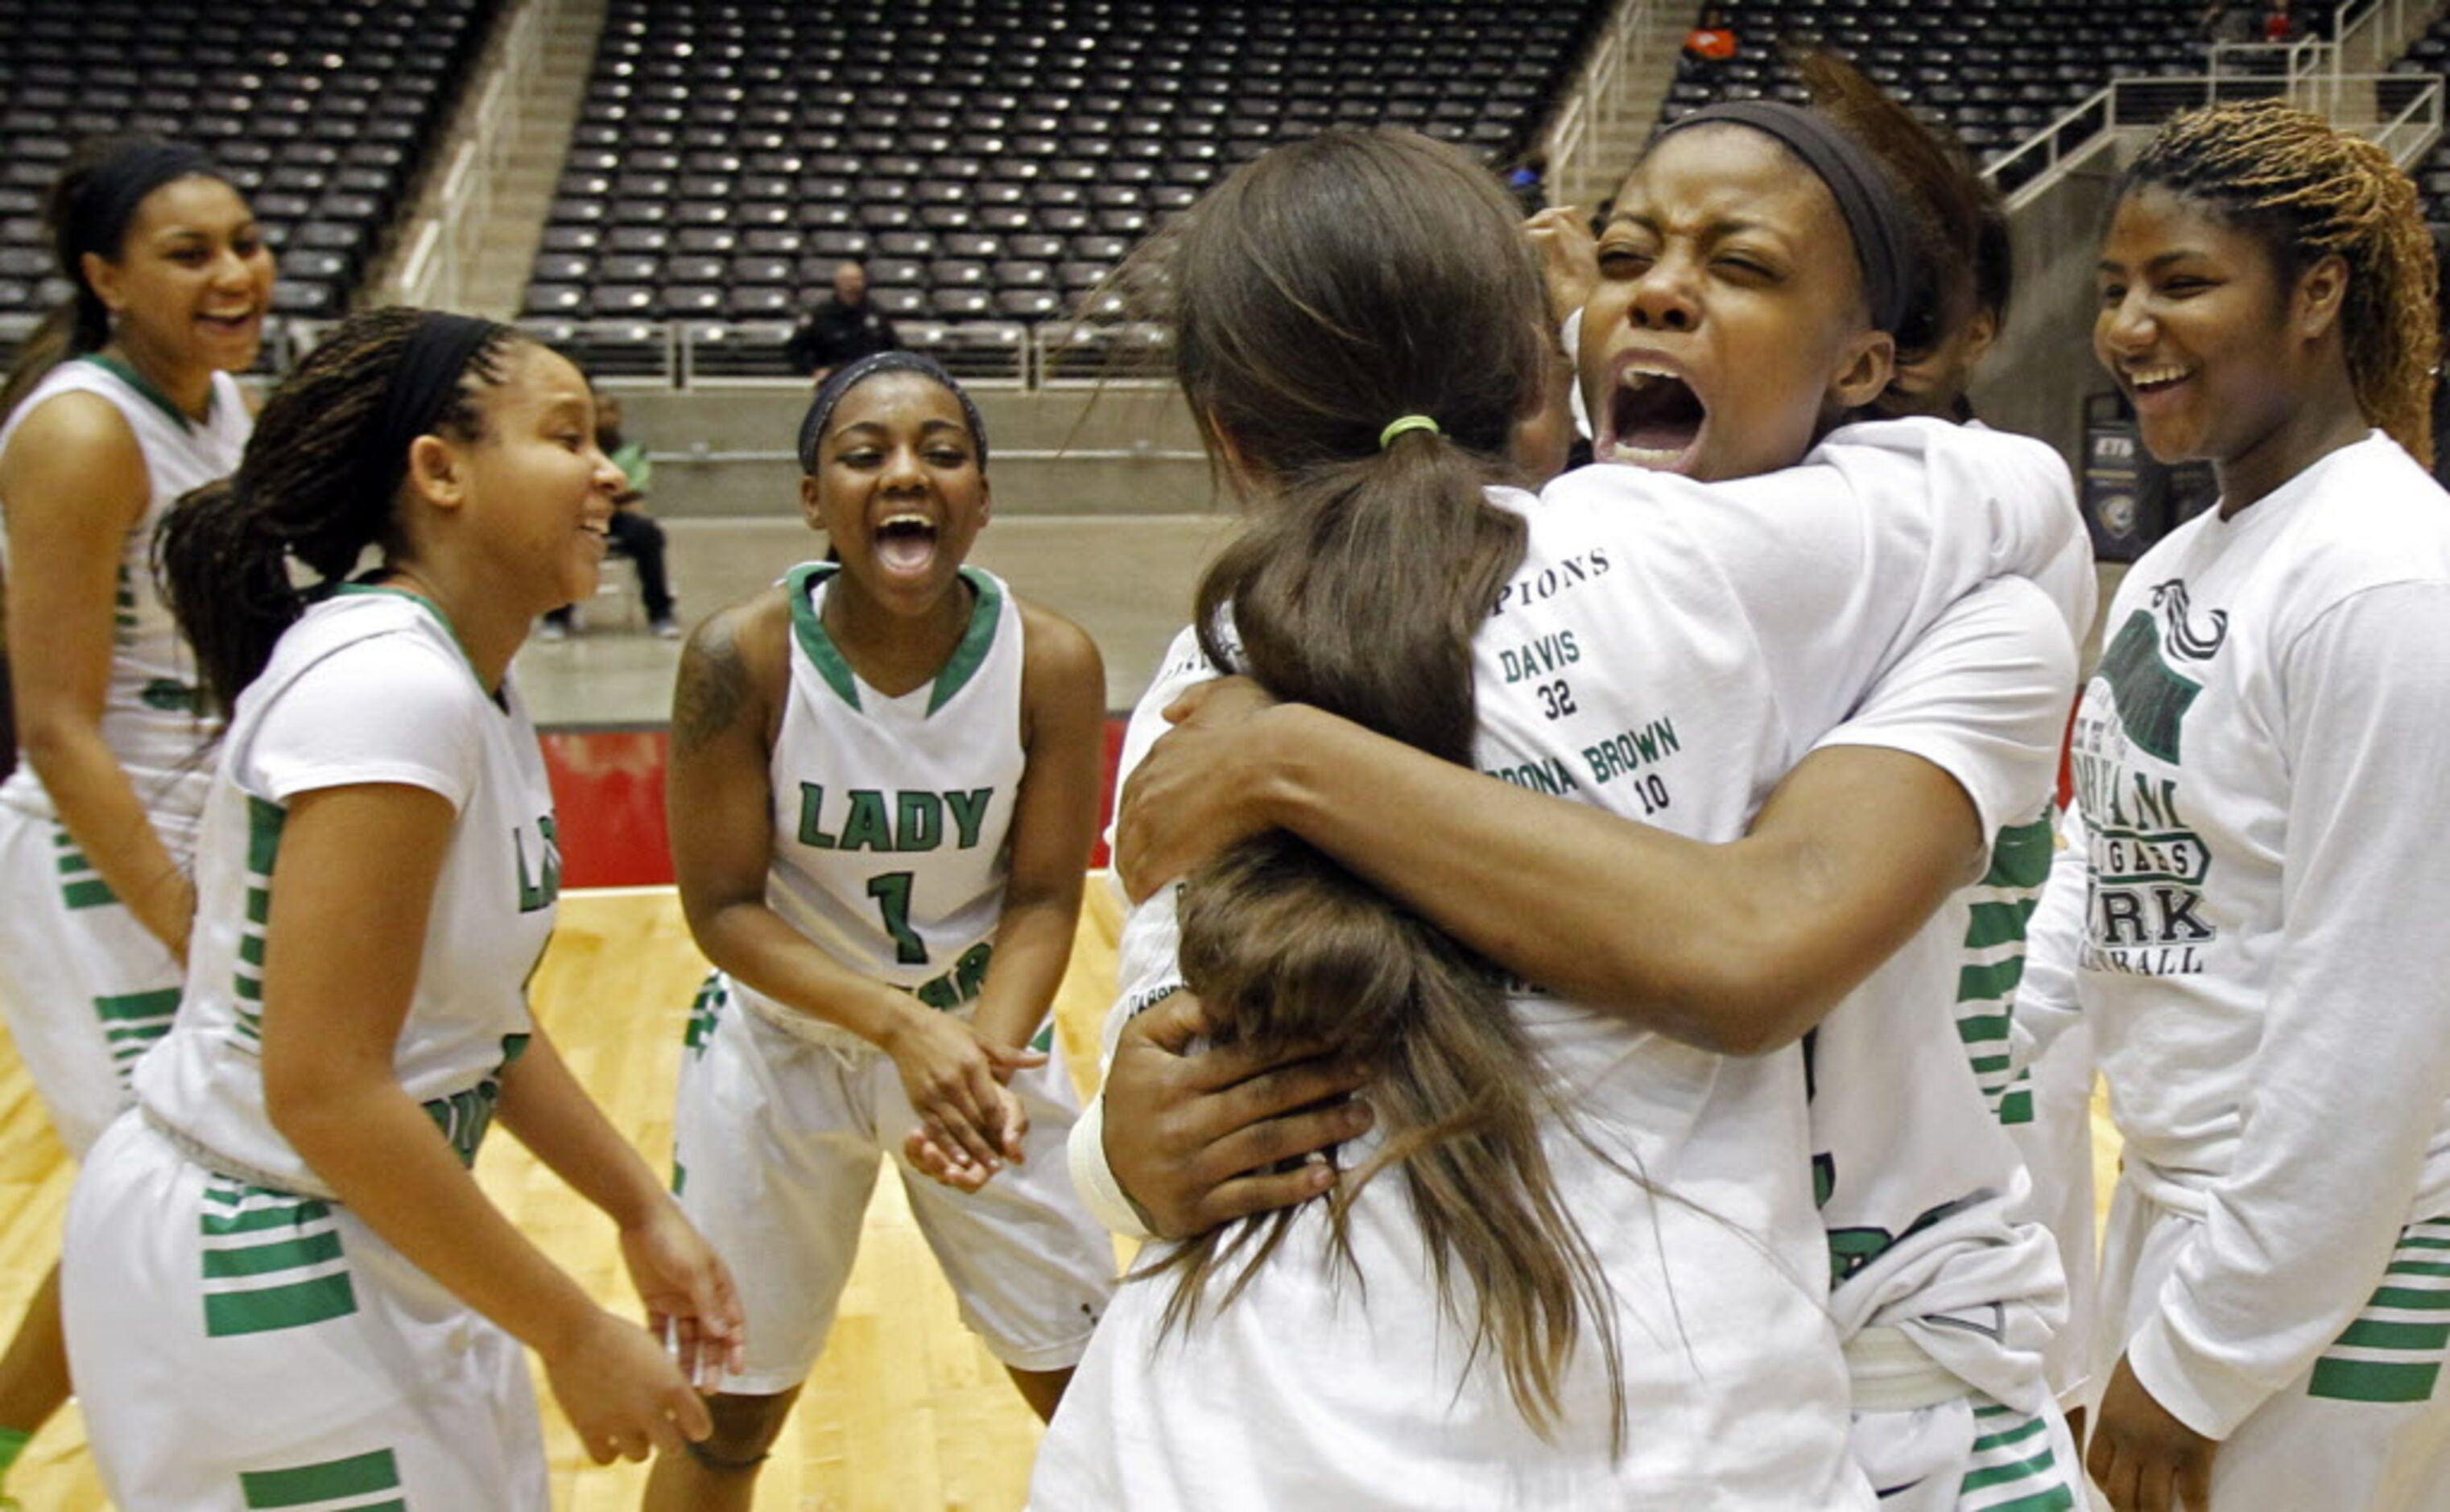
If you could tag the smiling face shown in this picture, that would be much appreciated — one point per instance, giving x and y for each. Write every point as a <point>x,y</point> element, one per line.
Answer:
<point>899,490</point>
<point>1728,325</point>
<point>2199,329</point>
<point>192,280</point>
<point>536,484</point>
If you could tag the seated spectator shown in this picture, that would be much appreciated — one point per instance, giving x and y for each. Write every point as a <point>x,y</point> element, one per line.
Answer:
<point>843,329</point>
<point>2223,21</point>
<point>633,531</point>
<point>1711,40</point>
<point>2278,25</point>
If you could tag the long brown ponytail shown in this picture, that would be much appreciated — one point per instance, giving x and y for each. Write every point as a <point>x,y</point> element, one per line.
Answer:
<point>1322,292</point>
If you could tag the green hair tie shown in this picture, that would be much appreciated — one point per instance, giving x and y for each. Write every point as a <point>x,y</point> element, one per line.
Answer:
<point>1402,423</point>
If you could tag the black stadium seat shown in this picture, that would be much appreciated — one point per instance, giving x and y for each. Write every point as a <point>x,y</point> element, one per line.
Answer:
<point>995,161</point>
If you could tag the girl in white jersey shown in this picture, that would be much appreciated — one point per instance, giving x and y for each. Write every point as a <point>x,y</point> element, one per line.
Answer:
<point>121,403</point>
<point>1665,1222</point>
<point>884,790</point>
<point>283,1284</point>
<point>2251,923</point>
<point>1944,1296</point>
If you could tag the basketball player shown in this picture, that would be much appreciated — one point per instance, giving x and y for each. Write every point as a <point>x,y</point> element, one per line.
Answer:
<point>884,785</point>
<point>122,401</point>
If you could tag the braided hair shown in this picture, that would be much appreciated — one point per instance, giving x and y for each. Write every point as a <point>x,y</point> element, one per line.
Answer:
<point>226,549</point>
<point>2307,192</point>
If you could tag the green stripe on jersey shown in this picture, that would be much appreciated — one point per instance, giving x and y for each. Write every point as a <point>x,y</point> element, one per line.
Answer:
<point>2020,857</point>
<point>2041,1463</point>
<point>263,1259</point>
<point>817,643</point>
<point>296,1213</point>
<point>263,821</point>
<point>295,1306</point>
<point>2015,1435</point>
<point>81,886</point>
<point>264,824</point>
<point>2385,1355</point>
<point>131,1021</point>
<point>798,585</point>
<point>1996,980</point>
<point>279,1234</point>
<point>972,653</point>
<point>2380,1333</point>
<point>1998,923</point>
<point>2373,1380</point>
<point>1982,1029</point>
<point>132,1006</point>
<point>306,1485</point>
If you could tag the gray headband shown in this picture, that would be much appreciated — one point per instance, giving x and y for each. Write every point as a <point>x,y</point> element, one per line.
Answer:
<point>844,379</point>
<point>1875,216</point>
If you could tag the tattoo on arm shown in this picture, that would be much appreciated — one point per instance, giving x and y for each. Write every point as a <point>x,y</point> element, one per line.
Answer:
<point>713,687</point>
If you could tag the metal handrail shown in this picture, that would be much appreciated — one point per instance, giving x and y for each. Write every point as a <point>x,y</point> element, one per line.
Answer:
<point>2127,105</point>
<point>1573,138</point>
<point>455,215</point>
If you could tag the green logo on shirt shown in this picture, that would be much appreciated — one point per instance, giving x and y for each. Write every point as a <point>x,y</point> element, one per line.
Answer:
<point>538,892</point>
<point>894,821</point>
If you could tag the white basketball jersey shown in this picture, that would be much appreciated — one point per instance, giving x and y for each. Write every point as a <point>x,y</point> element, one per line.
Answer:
<point>891,814</point>
<point>370,687</point>
<point>150,715</point>
<point>1664,651</point>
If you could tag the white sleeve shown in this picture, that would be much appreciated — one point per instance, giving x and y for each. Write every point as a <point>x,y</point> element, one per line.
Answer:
<point>2047,1002</point>
<point>1835,567</point>
<point>1936,509</point>
<point>2351,1078</point>
<point>1145,969</point>
<point>1983,695</point>
<point>1183,665</point>
<point>390,708</point>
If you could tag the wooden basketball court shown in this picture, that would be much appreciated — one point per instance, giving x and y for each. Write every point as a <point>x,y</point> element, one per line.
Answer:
<point>907,1412</point>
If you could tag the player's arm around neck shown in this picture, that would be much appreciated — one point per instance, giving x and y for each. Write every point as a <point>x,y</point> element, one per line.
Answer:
<point>1738,948</point>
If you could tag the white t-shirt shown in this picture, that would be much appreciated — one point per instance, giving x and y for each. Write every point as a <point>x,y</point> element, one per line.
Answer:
<point>151,716</point>
<point>2257,944</point>
<point>1923,1193</point>
<point>369,686</point>
<point>1665,650</point>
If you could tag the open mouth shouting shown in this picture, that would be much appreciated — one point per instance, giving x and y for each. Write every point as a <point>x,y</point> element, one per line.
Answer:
<point>1652,419</point>
<point>905,543</point>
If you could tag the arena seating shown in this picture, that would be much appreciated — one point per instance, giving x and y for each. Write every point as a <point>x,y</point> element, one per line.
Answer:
<point>992,159</point>
<point>1997,70</point>
<point>2428,58</point>
<point>323,115</point>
